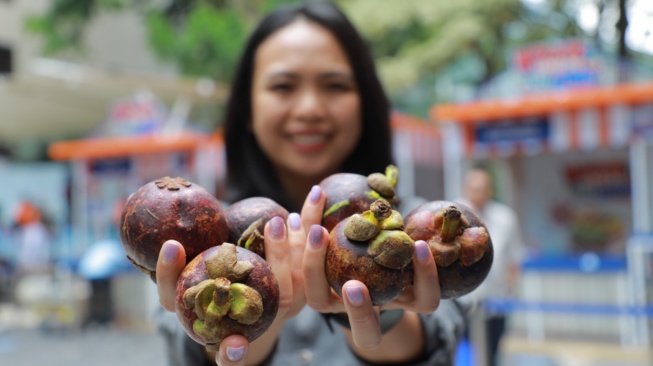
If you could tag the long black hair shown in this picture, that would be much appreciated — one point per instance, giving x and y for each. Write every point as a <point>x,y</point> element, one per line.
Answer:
<point>249,171</point>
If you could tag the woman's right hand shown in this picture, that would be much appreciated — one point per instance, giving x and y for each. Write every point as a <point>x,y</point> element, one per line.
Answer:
<point>284,246</point>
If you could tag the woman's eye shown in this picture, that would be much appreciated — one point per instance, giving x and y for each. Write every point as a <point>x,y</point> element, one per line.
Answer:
<point>338,86</point>
<point>281,87</point>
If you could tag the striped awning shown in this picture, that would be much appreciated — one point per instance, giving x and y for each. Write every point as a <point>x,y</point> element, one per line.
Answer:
<point>582,119</point>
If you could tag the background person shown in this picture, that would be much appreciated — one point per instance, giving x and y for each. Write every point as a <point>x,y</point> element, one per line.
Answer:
<point>503,279</point>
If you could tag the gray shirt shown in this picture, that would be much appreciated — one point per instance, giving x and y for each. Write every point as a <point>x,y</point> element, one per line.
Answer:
<point>308,340</point>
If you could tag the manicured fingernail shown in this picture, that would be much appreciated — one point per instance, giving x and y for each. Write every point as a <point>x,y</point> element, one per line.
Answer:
<point>277,227</point>
<point>315,194</point>
<point>422,250</point>
<point>355,295</point>
<point>235,353</point>
<point>293,221</point>
<point>170,252</point>
<point>315,237</point>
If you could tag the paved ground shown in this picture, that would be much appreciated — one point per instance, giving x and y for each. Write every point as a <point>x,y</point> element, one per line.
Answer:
<point>93,346</point>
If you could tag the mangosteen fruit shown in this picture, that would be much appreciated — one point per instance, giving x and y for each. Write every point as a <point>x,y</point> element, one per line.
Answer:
<point>459,243</point>
<point>226,290</point>
<point>170,208</point>
<point>373,248</point>
<point>350,193</point>
<point>247,218</point>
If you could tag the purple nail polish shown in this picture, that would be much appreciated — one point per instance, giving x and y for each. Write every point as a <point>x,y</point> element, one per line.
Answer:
<point>355,295</point>
<point>277,227</point>
<point>315,237</point>
<point>315,194</point>
<point>235,353</point>
<point>422,250</point>
<point>170,252</point>
<point>294,221</point>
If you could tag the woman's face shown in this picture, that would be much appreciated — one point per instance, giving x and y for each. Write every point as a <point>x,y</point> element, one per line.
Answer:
<point>306,112</point>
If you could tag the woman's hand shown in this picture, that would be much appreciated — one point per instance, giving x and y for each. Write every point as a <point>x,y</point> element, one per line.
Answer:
<point>284,247</point>
<point>422,297</point>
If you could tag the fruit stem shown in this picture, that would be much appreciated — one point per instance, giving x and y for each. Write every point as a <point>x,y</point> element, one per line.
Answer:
<point>381,209</point>
<point>450,224</point>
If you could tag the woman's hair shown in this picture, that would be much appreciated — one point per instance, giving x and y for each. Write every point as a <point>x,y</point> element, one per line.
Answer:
<point>249,171</point>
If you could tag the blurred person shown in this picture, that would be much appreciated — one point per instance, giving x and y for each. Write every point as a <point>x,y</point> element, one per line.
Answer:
<point>306,103</point>
<point>503,226</point>
<point>98,265</point>
<point>33,240</point>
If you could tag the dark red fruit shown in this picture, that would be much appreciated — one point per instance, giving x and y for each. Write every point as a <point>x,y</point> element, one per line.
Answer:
<point>459,242</point>
<point>372,248</point>
<point>349,193</point>
<point>170,208</point>
<point>247,218</point>
<point>226,290</point>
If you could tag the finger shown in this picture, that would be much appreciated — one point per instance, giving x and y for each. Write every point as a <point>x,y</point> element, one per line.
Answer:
<point>426,286</point>
<point>297,243</point>
<point>363,318</point>
<point>296,240</point>
<point>233,351</point>
<point>318,292</point>
<point>277,255</point>
<point>313,208</point>
<point>172,259</point>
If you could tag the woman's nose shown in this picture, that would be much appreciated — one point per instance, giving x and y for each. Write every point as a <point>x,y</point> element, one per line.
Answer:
<point>310,105</point>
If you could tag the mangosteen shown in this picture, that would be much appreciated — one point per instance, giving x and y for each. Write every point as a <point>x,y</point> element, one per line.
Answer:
<point>226,290</point>
<point>247,218</point>
<point>350,193</point>
<point>373,248</point>
<point>459,243</point>
<point>170,208</point>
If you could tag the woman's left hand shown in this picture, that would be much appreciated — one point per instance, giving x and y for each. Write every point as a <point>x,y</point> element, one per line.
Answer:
<point>422,297</point>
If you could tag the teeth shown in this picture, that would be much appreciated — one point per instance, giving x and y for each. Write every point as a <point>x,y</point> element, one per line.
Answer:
<point>309,139</point>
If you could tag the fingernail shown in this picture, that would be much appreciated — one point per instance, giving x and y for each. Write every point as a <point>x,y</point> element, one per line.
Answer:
<point>422,250</point>
<point>315,237</point>
<point>235,353</point>
<point>315,194</point>
<point>170,252</point>
<point>355,295</point>
<point>293,221</point>
<point>277,227</point>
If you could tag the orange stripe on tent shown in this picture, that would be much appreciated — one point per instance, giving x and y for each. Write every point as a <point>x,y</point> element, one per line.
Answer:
<point>99,148</point>
<point>542,104</point>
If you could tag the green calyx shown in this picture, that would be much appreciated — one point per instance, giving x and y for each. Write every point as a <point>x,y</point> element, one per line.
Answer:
<point>222,294</point>
<point>390,246</point>
<point>251,234</point>
<point>335,207</point>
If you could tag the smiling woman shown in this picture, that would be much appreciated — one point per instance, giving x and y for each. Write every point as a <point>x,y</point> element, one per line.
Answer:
<point>306,108</point>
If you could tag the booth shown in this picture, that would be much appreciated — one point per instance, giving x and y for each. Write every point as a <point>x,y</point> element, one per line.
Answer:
<point>577,166</point>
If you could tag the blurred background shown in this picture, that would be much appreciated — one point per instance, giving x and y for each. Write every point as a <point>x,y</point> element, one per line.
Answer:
<point>98,97</point>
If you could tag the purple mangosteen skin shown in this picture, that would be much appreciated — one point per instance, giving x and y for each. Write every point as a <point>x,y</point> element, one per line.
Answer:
<point>455,280</point>
<point>186,213</point>
<point>348,260</point>
<point>345,187</point>
<point>241,214</point>
<point>261,279</point>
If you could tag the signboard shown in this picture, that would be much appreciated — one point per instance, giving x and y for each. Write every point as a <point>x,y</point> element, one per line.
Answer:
<point>506,137</point>
<point>558,65</point>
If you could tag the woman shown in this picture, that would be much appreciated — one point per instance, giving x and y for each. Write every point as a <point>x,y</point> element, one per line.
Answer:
<point>306,103</point>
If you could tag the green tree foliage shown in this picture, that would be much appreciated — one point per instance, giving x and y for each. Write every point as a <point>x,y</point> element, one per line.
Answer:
<point>419,45</point>
<point>199,37</point>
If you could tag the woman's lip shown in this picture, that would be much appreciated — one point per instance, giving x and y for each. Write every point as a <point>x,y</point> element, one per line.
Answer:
<point>308,142</point>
